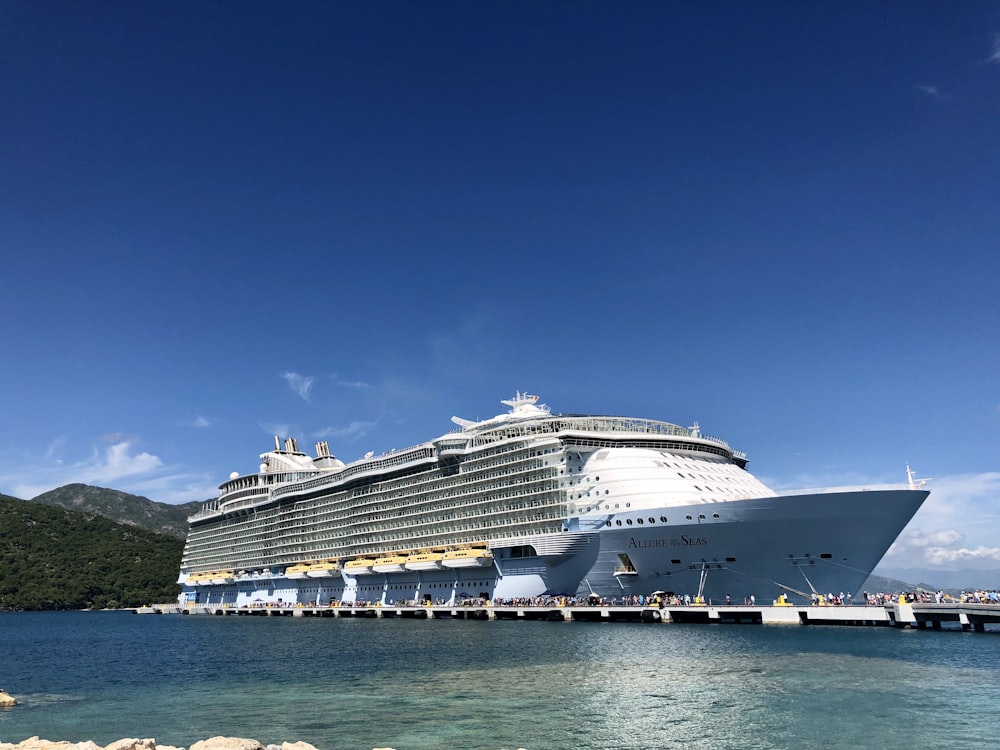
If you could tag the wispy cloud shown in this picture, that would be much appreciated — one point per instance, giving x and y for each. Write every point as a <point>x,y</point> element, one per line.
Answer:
<point>201,421</point>
<point>281,429</point>
<point>115,463</point>
<point>118,464</point>
<point>55,447</point>
<point>353,430</point>
<point>357,384</point>
<point>957,526</point>
<point>119,461</point>
<point>300,384</point>
<point>995,50</point>
<point>933,92</point>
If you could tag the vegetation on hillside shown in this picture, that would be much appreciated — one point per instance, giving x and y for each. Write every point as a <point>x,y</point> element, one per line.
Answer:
<point>52,558</point>
<point>122,507</point>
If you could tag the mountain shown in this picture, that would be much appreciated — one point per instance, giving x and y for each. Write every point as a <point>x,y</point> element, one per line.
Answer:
<point>53,558</point>
<point>122,507</point>
<point>966,579</point>
<point>882,584</point>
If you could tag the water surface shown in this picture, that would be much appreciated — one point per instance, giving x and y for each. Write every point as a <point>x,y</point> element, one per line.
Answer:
<point>421,684</point>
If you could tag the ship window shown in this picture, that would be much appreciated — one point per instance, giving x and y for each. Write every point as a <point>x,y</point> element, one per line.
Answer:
<point>688,517</point>
<point>639,521</point>
<point>651,520</point>
<point>715,515</point>
<point>619,523</point>
<point>826,556</point>
<point>628,521</point>
<point>701,515</point>
<point>663,519</point>
<point>675,562</point>
<point>730,559</point>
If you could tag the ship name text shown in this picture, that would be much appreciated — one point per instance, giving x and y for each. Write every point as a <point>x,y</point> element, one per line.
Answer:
<point>682,541</point>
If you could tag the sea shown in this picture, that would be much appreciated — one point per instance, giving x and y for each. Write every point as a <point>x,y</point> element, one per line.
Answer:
<point>454,684</point>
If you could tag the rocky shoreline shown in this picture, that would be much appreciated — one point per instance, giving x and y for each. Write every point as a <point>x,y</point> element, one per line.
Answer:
<point>213,743</point>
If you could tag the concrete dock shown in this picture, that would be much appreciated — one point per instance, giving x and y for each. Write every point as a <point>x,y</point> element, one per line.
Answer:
<point>962,616</point>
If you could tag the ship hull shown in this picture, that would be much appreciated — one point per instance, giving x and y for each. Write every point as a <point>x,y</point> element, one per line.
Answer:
<point>507,578</point>
<point>795,545</point>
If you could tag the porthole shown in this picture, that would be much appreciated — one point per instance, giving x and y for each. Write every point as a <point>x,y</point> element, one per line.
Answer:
<point>639,521</point>
<point>628,521</point>
<point>663,519</point>
<point>619,523</point>
<point>651,520</point>
<point>700,515</point>
<point>688,517</point>
<point>715,515</point>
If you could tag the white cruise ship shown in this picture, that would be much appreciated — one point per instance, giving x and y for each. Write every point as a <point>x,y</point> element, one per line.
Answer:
<point>531,503</point>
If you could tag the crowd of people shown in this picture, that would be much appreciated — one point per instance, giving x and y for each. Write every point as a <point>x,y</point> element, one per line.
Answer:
<point>979,596</point>
<point>664,599</point>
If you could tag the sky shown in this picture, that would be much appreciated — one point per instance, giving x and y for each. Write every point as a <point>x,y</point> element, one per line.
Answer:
<point>349,221</point>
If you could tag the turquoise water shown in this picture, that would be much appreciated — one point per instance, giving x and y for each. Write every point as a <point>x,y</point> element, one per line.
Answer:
<point>421,684</point>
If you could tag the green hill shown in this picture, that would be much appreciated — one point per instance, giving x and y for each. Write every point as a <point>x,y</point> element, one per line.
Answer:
<point>122,507</point>
<point>52,558</point>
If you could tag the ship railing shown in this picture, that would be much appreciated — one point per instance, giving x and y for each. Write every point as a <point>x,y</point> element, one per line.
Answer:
<point>361,467</point>
<point>832,490</point>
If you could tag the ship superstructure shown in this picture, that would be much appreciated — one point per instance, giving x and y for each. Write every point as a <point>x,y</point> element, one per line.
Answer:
<point>524,504</point>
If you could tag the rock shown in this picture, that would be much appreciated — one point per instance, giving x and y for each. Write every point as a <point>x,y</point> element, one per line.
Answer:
<point>297,746</point>
<point>227,743</point>
<point>130,743</point>
<point>35,743</point>
<point>6,699</point>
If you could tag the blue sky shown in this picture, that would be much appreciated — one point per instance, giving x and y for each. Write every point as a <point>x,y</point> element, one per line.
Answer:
<point>351,221</point>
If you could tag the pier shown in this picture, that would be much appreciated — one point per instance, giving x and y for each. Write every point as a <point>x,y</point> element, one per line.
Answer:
<point>963,616</point>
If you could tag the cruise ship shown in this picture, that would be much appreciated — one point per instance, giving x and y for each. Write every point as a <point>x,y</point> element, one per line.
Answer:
<point>530,503</point>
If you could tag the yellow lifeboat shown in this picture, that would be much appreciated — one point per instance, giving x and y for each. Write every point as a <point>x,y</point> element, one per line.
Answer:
<point>424,561</point>
<point>326,569</point>
<point>467,558</point>
<point>390,564</point>
<point>301,570</point>
<point>360,567</point>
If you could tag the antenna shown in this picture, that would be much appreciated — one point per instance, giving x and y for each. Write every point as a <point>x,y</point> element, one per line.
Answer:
<point>915,484</point>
